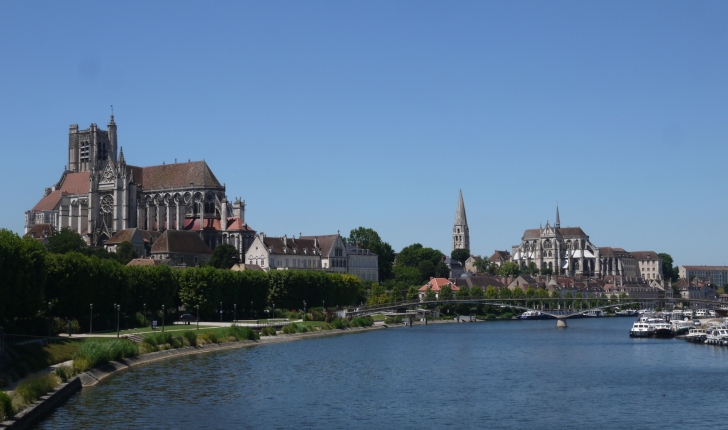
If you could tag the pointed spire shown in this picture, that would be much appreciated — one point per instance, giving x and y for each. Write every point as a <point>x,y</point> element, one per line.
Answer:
<point>460,217</point>
<point>112,115</point>
<point>557,223</point>
<point>121,156</point>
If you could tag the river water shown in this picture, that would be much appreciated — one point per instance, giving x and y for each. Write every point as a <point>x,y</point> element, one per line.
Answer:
<point>510,374</point>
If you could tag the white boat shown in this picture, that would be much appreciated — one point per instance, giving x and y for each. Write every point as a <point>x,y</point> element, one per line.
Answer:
<point>702,313</point>
<point>662,330</point>
<point>533,315</point>
<point>593,313</point>
<point>681,328</point>
<point>626,313</point>
<point>696,335</point>
<point>641,329</point>
<point>716,336</point>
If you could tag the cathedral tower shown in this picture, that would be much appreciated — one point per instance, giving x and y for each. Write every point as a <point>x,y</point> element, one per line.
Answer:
<point>89,149</point>
<point>460,231</point>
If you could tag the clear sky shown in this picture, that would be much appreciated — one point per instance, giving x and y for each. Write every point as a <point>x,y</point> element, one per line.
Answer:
<point>327,116</point>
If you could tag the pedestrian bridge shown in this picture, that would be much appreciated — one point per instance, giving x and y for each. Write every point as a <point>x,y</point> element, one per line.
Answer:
<point>558,308</point>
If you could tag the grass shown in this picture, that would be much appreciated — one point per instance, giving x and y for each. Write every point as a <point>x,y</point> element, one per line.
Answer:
<point>93,353</point>
<point>378,317</point>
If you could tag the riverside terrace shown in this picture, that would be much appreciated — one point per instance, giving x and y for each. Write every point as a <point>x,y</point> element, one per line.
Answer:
<point>561,309</point>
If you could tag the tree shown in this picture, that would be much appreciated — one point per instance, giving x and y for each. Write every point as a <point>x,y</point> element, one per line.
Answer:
<point>430,295</point>
<point>441,270</point>
<point>426,269</point>
<point>463,293</point>
<point>224,256</point>
<point>413,293</point>
<point>369,239</point>
<point>481,265</point>
<point>65,241</point>
<point>460,255</point>
<point>477,292</point>
<point>505,293</point>
<point>491,292</point>
<point>125,252</point>
<point>509,268</point>
<point>446,292</point>
<point>668,271</point>
<point>531,269</point>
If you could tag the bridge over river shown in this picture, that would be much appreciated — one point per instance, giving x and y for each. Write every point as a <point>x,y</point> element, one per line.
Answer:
<point>558,308</point>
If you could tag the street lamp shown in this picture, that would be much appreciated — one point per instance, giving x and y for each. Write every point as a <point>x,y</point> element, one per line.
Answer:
<point>145,314</point>
<point>274,310</point>
<point>304,307</point>
<point>235,315</point>
<point>49,320</point>
<point>163,312</point>
<point>251,310</point>
<point>198,317</point>
<point>323,305</point>
<point>91,320</point>
<point>220,311</point>
<point>118,311</point>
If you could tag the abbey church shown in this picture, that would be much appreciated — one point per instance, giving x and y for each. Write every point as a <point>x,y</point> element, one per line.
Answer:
<point>99,194</point>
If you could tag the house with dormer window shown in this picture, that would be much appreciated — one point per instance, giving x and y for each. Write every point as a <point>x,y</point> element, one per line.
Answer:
<point>284,253</point>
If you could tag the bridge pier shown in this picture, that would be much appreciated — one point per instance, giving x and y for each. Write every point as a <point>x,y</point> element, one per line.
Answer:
<point>561,323</point>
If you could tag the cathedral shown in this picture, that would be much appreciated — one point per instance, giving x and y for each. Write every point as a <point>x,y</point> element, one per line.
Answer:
<point>568,251</point>
<point>99,194</point>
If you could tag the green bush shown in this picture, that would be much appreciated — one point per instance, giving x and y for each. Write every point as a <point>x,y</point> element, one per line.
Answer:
<point>6,406</point>
<point>163,338</point>
<point>64,373</point>
<point>151,342</point>
<point>393,320</point>
<point>340,324</point>
<point>33,388</point>
<point>210,337</point>
<point>361,322</point>
<point>289,329</point>
<point>92,354</point>
<point>241,333</point>
<point>268,331</point>
<point>191,337</point>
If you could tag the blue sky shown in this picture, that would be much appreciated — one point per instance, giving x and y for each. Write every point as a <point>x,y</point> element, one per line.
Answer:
<point>327,116</point>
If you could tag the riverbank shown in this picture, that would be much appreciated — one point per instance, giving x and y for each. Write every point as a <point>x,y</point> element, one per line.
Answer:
<point>64,391</point>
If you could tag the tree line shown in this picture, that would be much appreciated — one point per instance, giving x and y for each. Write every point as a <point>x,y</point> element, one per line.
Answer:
<point>37,283</point>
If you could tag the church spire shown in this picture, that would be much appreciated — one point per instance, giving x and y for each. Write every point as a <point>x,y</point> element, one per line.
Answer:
<point>557,223</point>
<point>460,231</point>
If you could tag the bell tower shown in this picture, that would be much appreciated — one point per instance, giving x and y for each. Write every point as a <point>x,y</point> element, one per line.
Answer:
<point>460,231</point>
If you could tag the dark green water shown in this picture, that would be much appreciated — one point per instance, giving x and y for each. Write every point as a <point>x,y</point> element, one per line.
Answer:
<point>521,374</point>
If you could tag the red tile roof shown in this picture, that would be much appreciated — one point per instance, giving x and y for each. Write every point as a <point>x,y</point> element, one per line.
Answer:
<point>49,202</point>
<point>76,183</point>
<point>175,175</point>
<point>436,284</point>
<point>235,224</point>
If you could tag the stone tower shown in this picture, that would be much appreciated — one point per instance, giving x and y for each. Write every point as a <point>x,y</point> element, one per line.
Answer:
<point>460,231</point>
<point>90,149</point>
<point>557,224</point>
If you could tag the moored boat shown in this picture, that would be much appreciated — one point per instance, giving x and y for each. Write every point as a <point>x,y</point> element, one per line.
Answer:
<point>534,315</point>
<point>696,335</point>
<point>641,329</point>
<point>663,330</point>
<point>680,328</point>
<point>626,313</point>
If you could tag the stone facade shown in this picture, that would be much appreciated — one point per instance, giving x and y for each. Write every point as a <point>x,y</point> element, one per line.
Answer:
<point>99,194</point>
<point>460,231</point>
<point>283,253</point>
<point>362,263</point>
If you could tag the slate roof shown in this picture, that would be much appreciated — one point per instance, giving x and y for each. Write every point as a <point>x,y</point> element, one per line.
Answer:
<point>41,231</point>
<point>483,281</point>
<point>180,242</point>
<point>292,245</point>
<point>564,232</point>
<point>645,255</point>
<point>705,267</point>
<point>234,224</point>
<point>500,256</point>
<point>176,175</point>
<point>128,234</point>
<point>326,243</point>
<point>149,262</point>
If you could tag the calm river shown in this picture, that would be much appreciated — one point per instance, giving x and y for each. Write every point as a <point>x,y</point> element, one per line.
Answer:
<point>524,374</point>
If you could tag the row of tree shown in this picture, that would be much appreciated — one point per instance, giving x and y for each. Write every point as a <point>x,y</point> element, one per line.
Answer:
<point>37,283</point>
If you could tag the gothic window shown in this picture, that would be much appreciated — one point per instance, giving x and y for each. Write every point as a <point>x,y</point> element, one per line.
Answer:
<point>458,230</point>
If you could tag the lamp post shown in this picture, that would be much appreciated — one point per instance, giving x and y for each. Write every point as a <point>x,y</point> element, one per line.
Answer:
<point>251,310</point>
<point>163,318</point>
<point>49,320</point>
<point>323,305</point>
<point>145,314</point>
<point>220,311</point>
<point>198,316</point>
<point>91,320</point>
<point>304,307</point>
<point>235,314</point>
<point>118,331</point>
<point>274,309</point>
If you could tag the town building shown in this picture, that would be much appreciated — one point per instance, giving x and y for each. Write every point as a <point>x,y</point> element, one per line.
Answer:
<point>362,263</point>
<point>717,274</point>
<point>436,285</point>
<point>141,240</point>
<point>283,253</point>
<point>99,195</point>
<point>460,231</point>
<point>333,252</point>
<point>649,265</point>
<point>182,248</point>
<point>499,257</point>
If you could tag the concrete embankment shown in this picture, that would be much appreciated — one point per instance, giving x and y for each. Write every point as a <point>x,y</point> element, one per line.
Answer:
<point>63,392</point>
